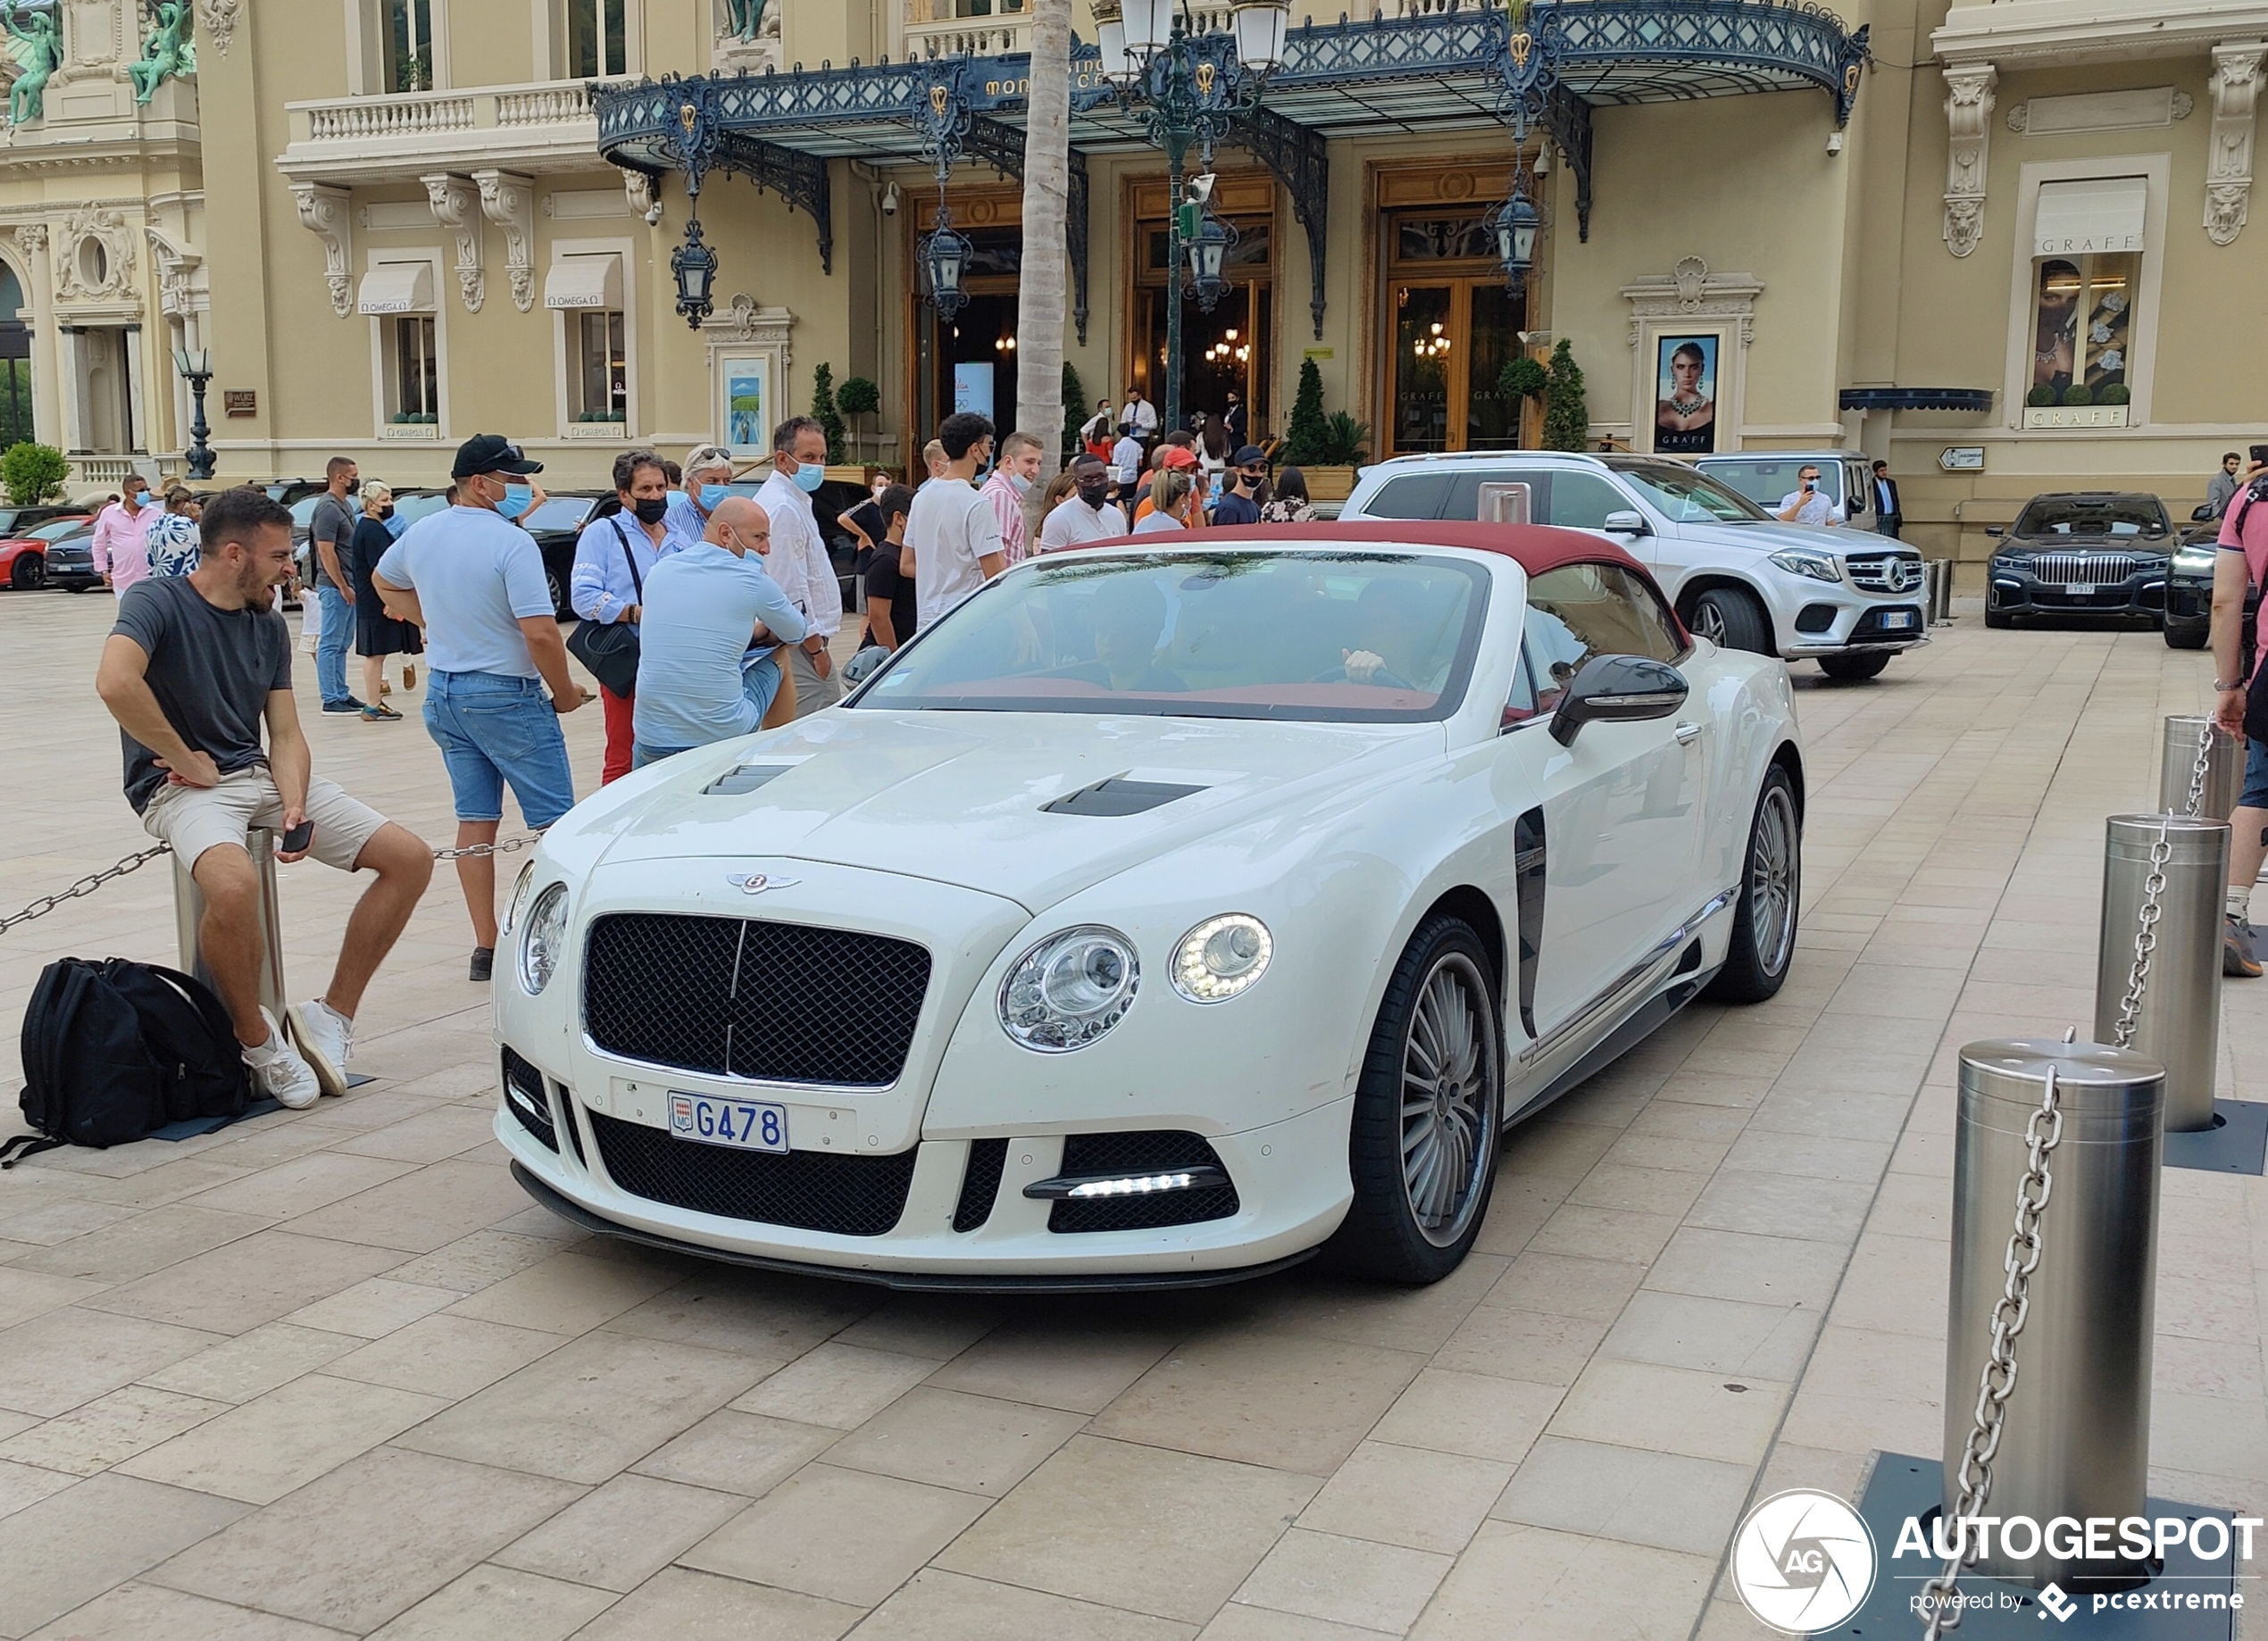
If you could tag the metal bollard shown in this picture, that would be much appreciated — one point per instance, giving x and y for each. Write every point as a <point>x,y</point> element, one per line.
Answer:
<point>2179,1022</point>
<point>2075,1435</point>
<point>2178,760</point>
<point>189,913</point>
<point>1939,572</point>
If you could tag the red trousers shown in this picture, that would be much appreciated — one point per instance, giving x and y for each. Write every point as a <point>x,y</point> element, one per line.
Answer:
<point>618,736</point>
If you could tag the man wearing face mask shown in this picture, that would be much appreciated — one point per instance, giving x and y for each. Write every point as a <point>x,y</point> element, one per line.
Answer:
<point>1088,514</point>
<point>121,547</point>
<point>474,580</point>
<point>799,561</point>
<point>330,535</point>
<point>707,470</point>
<point>613,556</point>
<point>1021,455</point>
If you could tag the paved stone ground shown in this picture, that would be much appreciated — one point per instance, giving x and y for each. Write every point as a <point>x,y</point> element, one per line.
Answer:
<point>330,1374</point>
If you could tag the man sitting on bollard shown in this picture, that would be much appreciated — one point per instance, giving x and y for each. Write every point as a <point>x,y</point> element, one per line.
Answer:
<point>193,668</point>
<point>2243,565</point>
<point>708,660</point>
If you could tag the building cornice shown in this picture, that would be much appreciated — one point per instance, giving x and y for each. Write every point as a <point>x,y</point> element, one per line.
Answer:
<point>2043,33</point>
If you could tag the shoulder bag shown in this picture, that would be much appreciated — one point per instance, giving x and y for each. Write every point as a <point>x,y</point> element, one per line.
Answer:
<point>610,648</point>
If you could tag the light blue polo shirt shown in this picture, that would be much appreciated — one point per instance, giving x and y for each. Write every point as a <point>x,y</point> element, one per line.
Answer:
<point>477,577</point>
<point>701,605</point>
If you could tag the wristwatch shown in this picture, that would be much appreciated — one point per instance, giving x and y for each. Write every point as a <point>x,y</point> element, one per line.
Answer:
<point>2222,688</point>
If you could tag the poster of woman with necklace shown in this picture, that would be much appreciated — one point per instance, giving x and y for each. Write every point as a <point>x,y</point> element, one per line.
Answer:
<point>1685,412</point>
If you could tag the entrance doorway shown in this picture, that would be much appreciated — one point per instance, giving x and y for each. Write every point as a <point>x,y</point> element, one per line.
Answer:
<point>1454,327</point>
<point>1231,348</point>
<point>968,362</point>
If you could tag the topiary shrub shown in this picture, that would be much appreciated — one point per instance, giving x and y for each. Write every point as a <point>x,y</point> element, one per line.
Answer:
<point>1567,418</point>
<point>1523,378</point>
<point>2117,393</point>
<point>33,472</point>
<point>2079,393</point>
<point>2042,395</point>
<point>823,410</point>
<point>1074,410</point>
<point>858,399</point>
<point>1308,429</point>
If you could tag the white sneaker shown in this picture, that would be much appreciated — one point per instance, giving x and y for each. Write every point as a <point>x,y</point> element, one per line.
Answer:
<point>280,1073</point>
<point>325,1040</point>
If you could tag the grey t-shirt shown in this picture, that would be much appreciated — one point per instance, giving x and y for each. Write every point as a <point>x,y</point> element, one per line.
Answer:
<point>332,520</point>
<point>211,670</point>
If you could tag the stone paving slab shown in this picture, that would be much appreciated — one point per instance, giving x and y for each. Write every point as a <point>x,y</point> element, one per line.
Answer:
<point>330,1374</point>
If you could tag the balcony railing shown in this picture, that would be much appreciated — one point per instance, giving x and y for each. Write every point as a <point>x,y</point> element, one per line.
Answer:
<point>969,37</point>
<point>506,125</point>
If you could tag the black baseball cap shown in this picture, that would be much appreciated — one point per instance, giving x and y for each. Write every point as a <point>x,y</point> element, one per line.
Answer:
<point>490,453</point>
<point>1250,456</point>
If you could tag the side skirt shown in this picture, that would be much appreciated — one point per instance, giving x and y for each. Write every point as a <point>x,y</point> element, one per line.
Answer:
<point>1648,1019</point>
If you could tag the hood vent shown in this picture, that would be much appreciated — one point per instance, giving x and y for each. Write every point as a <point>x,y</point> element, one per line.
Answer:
<point>1117,796</point>
<point>747,778</point>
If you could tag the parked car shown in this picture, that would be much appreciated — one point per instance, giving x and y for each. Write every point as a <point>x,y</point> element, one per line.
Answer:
<point>24,555</point>
<point>1846,599</point>
<point>2188,583</point>
<point>1766,477</point>
<point>1204,904</point>
<point>70,559</point>
<point>2087,552</point>
<point>555,526</point>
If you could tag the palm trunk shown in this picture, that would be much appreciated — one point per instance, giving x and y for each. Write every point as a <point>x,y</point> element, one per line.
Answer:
<point>1040,295</point>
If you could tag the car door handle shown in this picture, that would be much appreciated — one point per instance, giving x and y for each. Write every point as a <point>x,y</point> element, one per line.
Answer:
<point>1687,733</point>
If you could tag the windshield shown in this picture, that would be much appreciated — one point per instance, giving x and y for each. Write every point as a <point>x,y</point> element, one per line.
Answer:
<point>1314,638</point>
<point>2092,515</point>
<point>1769,480</point>
<point>1689,498</point>
<point>409,509</point>
<point>560,512</point>
<point>58,529</point>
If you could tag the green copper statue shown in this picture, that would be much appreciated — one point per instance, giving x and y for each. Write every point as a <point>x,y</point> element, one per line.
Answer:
<point>745,19</point>
<point>167,50</point>
<point>36,44</point>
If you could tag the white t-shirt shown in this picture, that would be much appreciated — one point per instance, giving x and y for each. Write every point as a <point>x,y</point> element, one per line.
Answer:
<point>1819,510</point>
<point>477,576</point>
<point>1126,456</point>
<point>1072,523</point>
<point>950,528</point>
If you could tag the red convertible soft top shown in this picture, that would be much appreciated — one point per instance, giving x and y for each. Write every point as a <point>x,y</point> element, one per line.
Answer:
<point>1538,547</point>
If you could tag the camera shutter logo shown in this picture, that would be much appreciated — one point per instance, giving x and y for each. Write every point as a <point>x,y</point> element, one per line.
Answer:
<point>1803,1561</point>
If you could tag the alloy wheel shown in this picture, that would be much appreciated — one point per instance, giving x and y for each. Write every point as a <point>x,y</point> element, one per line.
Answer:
<point>1449,1098</point>
<point>1771,879</point>
<point>1709,623</point>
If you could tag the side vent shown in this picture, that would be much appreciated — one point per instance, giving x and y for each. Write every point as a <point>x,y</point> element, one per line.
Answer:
<point>980,1183</point>
<point>747,778</point>
<point>1117,796</point>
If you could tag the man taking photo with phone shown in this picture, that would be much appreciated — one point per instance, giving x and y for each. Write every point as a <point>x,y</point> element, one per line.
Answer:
<point>194,668</point>
<point>2242,565</point>
<point>1808,504</point>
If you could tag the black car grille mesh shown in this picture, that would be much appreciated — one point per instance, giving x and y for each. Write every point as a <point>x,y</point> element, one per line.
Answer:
<point>806,1190</point>
<point>776,1002</point>
<point>526,1100</point>
<point>980,1183</point>
<point>1139,1151</point>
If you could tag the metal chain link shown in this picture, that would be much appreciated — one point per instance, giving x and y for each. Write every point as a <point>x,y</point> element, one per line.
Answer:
<point>2145,938</point>
<point>2042,1133</point>
<point>134,863</point>
<point>2202,768</point>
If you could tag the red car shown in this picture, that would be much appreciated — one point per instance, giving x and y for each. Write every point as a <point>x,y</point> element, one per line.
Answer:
<point>23,559</point>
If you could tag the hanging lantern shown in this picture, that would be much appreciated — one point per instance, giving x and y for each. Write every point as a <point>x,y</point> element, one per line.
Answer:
<point>1513,225</point>
<point>945,258</point>
<point>1208,257</point>
<point>695,266</point>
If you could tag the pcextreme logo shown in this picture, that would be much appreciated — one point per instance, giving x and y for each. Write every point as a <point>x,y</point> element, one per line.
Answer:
<point>1803,1561</point>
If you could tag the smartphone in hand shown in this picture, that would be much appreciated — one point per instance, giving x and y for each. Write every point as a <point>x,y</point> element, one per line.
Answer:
<point>295,841</point>
<point>2260,455</point>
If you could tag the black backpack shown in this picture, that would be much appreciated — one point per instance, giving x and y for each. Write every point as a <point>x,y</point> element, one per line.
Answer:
<point>114,1051</point>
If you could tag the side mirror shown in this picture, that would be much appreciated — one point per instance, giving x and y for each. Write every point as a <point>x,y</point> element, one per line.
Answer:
<point>1617,689</point>
<point>1992,530</point>
<point>1628,522</point>
<point>2202,514</point>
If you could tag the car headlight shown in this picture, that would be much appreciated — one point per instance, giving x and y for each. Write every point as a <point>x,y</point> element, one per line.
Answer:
<point>2196,561</point>
<point>1221,957</point>
<point>1818,566</point>
<point>519,897</point>
<point>1069,989</point>
<point>543,938</point>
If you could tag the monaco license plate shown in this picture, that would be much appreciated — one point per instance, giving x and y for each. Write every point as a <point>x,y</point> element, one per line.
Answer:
<point>748,1125</point>
<point>2081,589</point>
<point>1897,621</point>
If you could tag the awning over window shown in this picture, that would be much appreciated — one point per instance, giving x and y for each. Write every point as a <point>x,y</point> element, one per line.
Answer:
<point>585,282</point>
<point>2103,213</point>
<point>398,288</point>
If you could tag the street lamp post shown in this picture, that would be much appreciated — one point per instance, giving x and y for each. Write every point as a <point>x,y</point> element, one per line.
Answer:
<point>1191,96</point>
<point>196,367</point>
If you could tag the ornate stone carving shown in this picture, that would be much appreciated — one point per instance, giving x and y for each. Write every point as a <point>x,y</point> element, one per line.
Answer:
<point>1691,278</point>
<point>638,187</point>
<point>97,258</point>
<point>322,213</point>
<point>2228,176</point>
<point>175,264</point>
<point>509,201</point>
<point>1690,291</point>
<point>1968,118</point>
<point>457,206</point>
<point>32,237</point>
<point>220,20</point>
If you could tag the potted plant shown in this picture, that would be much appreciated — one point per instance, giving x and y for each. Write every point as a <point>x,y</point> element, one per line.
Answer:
<point>1325,448</point>
<point>858,398</point>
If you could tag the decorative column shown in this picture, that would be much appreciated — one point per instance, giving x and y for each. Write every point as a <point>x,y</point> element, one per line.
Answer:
<point>322,211</point>
<point>509,202</point>
<point>457,206</point>
<point>2227,177</point>
<point>1968,118</point>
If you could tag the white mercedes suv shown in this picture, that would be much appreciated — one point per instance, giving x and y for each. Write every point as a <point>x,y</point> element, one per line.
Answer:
<point>1845,598</point>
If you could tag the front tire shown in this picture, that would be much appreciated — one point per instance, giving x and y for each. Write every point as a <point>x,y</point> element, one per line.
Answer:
<point>29,572</point>
<point>1852,669</point>
<point>1428,1112</point>
<point>1770,894</point>
<point>1733,618</point>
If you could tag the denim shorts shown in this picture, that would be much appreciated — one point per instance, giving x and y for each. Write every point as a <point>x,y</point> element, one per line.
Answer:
<point>2255,775</point>
<point>494,731</point>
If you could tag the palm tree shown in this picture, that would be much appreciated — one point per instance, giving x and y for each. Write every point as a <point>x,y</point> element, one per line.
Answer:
<point>1041,297</point>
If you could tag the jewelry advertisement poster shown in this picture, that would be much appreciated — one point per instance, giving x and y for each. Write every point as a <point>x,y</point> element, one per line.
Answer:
<point>1685,409</point>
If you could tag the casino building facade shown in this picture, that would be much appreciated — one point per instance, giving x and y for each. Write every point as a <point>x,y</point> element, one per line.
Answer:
<point>2002,244</point>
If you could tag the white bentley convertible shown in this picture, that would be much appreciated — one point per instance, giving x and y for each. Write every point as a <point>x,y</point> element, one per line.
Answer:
<point>1172,910</point>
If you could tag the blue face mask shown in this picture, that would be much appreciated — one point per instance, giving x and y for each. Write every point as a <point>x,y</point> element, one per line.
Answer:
<point>810,476</point>
<point>141,498</point>
<point>713,496</point>
<point>516,498</point>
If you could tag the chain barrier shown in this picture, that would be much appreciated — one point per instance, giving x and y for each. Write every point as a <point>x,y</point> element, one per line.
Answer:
<point>2043,1131</point>
<point>2145,938</point>
<point>2201,767</point>
<point>134,863</point>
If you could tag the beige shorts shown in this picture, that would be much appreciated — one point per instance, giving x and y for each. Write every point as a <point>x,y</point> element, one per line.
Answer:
<point>194,818</point>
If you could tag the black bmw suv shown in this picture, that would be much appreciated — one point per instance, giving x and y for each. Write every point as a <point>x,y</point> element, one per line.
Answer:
<point>2090,552</point>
